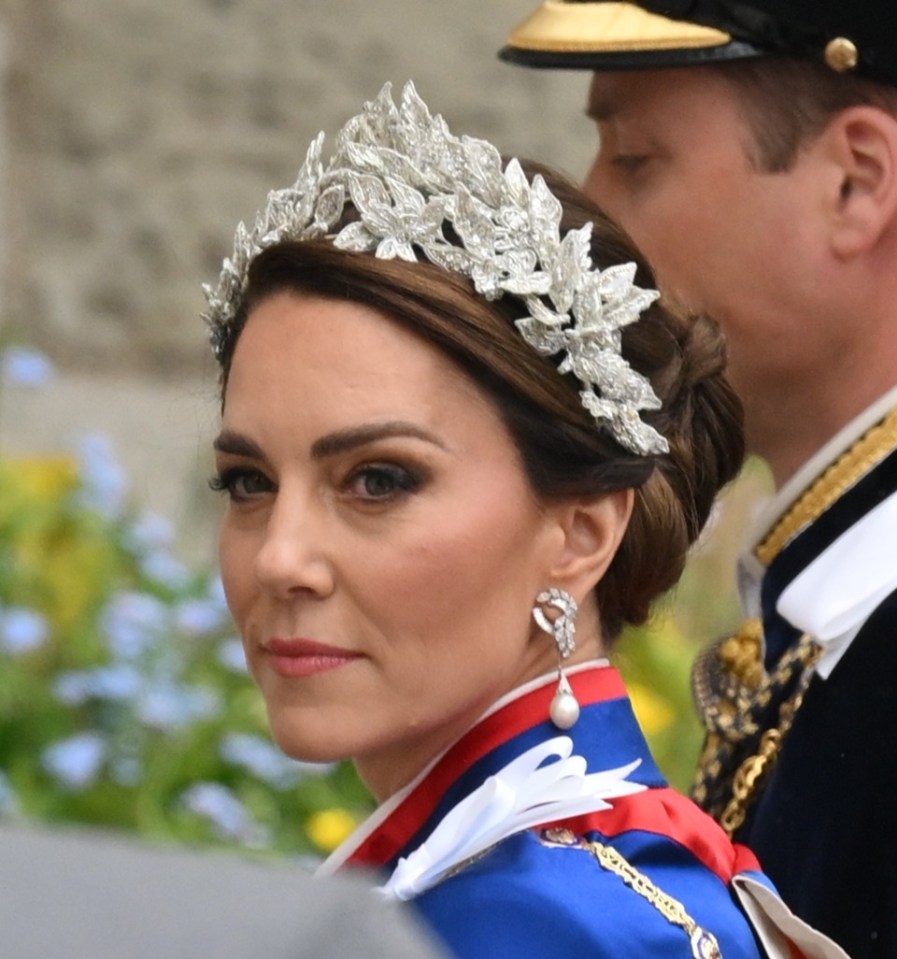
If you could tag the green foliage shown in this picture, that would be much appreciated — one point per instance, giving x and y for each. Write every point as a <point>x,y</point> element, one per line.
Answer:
<point>655,661</point>
<point>124,701</point>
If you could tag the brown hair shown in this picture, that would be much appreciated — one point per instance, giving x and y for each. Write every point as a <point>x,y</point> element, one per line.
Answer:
<point>788,102</point>
<point>562,451</point>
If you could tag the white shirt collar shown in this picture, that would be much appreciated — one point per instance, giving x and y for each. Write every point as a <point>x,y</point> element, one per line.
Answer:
<point>833,596</point>
<point>848,576</point>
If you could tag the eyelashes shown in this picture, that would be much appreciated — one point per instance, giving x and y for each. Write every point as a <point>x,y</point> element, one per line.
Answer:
<point>374,483</point>
<point>383,481</point>
<point>240,483</point>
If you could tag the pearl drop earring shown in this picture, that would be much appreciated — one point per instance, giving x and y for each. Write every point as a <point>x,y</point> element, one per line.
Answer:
<point>564,709</point>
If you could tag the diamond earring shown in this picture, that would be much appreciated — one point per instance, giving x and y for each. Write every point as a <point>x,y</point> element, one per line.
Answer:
<point>564,709</point>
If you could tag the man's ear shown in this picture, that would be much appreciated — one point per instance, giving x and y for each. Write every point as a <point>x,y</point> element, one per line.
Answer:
<point>592,529</point>
<point>862,143</point>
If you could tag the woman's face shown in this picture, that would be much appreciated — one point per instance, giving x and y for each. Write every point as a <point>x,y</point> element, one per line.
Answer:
<point>381,548</point>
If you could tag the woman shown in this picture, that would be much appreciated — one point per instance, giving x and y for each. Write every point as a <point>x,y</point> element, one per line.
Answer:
<point>456,467</point>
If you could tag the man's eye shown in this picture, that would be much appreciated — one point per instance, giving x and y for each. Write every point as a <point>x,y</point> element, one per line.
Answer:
<point>630,163</point>
<point>382,482</point>
<point>241,483</point>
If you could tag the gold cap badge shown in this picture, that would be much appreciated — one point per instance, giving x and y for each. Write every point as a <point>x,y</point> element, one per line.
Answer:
<point>841,54</point>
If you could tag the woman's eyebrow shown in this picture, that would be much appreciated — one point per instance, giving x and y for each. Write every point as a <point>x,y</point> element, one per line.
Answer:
<point>349,439</point>
<point>237,444</point>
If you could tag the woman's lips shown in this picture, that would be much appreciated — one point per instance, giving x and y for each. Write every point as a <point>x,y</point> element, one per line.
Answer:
<point>304,657</point>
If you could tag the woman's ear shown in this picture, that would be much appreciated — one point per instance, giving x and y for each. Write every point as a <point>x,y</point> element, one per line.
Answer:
<point>592,529</point>
<point>862,143</point>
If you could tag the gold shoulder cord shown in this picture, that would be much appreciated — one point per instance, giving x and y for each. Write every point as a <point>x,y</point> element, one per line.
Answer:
<point>730,684</point>
<point>703,943</point>
<point>732,691</point>
<point>868,451</point>
<point>754,770</point>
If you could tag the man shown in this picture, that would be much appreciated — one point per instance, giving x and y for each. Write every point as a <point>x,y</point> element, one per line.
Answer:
<point>750,149</point>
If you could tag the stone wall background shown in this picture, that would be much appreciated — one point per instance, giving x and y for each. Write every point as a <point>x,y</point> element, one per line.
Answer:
<point>137,133</point>
<point>134,134</point>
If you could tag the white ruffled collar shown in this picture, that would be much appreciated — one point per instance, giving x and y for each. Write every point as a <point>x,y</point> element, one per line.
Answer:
<point>382,813</point>
<point>525,793</point>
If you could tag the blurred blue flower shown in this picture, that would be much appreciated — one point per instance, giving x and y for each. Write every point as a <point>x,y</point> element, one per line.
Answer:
<point>230,819</point>
<point>199,617</point>
<point>132,621</point>
<point>164,569</point>
<point>261,758</point>
<point>127,771</point>
<point>75,762</point>
<point>72,688</point>
<point>104,484</point>
<point>231,656</point>
<point>116,683</point>
<point>167,706</point>
<point>215,592</point>
<point>8,804</point>
<point>25,366</point>
<point>150,531</point>
<point>22,630</point>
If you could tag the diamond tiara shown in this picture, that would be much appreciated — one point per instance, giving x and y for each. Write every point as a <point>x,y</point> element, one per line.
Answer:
<point>408,177</point>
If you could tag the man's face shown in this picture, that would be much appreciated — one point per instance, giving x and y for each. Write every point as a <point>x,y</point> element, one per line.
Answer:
<point>726,238</point>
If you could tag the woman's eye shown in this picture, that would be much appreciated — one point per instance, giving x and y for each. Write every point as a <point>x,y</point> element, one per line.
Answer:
<point>241,483</point>
<point>382,482</point>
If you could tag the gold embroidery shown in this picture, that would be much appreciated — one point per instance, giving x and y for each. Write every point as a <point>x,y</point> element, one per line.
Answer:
<point>729,682</point>
<point>868,451</point>
<point>730,702</point>
<point>740,655</point>
<point>753,772</point>
<point>703,943</point>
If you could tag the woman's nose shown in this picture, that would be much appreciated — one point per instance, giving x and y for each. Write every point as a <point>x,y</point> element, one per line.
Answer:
<point>292,558</point>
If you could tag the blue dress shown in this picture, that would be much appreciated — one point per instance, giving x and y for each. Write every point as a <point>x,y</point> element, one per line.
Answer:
<point>521,840</point>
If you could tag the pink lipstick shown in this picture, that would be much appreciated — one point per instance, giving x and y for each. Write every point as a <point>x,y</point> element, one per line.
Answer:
<point>293,658</point>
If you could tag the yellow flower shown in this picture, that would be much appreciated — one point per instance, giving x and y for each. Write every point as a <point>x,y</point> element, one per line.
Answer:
<point>652,711</point>
<point>38,478</point>
<point>327,828</point>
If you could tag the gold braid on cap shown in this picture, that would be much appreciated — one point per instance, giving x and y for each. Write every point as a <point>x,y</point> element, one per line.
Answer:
<point>408,178</point>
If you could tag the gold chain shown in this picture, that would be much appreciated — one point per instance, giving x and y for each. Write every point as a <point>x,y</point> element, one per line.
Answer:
<point>751,774</point>
<point>703,943</point>
<point>869,450</point>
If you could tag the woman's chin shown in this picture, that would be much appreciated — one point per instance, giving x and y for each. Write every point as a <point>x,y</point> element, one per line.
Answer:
<point>306,749</point>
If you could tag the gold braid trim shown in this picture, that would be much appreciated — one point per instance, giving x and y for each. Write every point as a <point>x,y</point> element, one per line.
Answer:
<point>732,691</point>
<point>755,770</point>
<point>868,451</point>
<point>703,943</point>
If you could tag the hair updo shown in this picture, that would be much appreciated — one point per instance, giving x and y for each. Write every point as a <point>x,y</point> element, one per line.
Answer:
<point>562,450</point>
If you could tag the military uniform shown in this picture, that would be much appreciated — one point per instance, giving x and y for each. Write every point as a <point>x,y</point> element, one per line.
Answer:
<point>801,706</point>
<point>814,803</point>
<point>522,841</point>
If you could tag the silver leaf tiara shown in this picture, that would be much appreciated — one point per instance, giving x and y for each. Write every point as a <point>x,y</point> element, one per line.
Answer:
<point>407,177</point>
